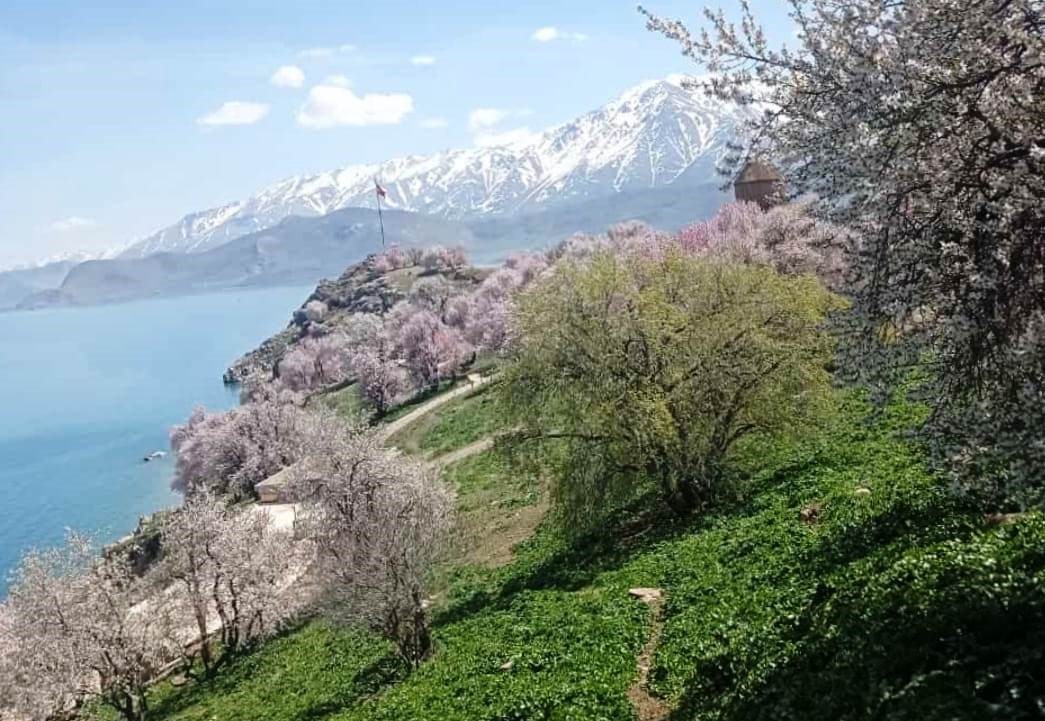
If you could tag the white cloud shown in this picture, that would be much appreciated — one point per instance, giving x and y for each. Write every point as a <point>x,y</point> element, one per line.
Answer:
<point>434,123</point>
<point>515,136</point>
<point>288,76</point>
<point>73,222</point>
<point>482,118</point>
<point>422,60</point>
<point>551,33</point>
<point>339,80</point>
<point>326,53</point>
<point>235,112</point>
<point>545,35</point>
<point>332,105</point>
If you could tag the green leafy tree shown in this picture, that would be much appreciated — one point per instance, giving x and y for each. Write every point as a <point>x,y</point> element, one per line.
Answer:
<point>630,371</point>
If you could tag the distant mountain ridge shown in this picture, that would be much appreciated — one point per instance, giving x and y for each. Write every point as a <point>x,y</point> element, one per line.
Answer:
<point>654,135</point>
<point>269,257</point>
<point>17,284</point>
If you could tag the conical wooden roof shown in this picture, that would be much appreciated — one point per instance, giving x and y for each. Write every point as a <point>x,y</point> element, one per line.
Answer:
<point>757,171</point>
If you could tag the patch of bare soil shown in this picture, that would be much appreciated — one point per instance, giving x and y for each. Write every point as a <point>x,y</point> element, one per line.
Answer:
<point>647,706</point>
<point>488,538</point>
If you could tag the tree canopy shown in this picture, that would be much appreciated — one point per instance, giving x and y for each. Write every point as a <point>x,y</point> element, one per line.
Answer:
<point>629,369</point>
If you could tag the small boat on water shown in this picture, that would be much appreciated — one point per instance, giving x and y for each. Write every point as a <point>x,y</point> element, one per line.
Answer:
<point>155,455</point>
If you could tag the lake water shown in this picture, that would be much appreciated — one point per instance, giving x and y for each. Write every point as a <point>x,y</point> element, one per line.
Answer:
<point>85,393</point>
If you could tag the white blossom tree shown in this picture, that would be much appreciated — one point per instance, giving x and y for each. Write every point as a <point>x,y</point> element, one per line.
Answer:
<point>919,126</point>
<point>380,522</point>
<point>75,628</point>
<point>230,572</point>
<point>432,293</point>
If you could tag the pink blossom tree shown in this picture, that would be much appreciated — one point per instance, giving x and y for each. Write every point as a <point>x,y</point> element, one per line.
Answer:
<point>230,452</point>
<point>528,265</point>
<point>314,363</point>
<point>391,259</point>
<point>381,380</point>
<point>786,238</point>
<point>430,349</point>
<point>733,226</point>
<point>459,311</point>
<point>381,263</point>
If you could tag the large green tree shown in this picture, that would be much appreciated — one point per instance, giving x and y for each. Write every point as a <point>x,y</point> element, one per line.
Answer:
<point>631,371</point>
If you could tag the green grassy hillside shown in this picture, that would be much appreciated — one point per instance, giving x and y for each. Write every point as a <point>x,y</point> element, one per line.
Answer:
<point>846,585</point>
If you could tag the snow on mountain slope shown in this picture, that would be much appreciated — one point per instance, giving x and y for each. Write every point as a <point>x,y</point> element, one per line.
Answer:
<point>655,134</point>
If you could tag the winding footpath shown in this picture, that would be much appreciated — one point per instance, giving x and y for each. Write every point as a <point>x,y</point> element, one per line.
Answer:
<point>389,430</point>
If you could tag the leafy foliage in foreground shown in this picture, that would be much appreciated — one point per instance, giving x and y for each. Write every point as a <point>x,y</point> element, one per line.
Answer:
<point>899,602</point>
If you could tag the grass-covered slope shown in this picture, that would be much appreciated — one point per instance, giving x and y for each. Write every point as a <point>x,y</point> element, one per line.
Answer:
<point>845,585</point>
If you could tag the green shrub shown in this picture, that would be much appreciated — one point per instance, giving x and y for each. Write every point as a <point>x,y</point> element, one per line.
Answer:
<point>632,371</point>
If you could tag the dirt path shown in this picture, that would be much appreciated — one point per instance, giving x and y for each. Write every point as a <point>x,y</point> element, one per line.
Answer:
<point>460,454</point>
<point>648,707</point>
<point>389,430</point>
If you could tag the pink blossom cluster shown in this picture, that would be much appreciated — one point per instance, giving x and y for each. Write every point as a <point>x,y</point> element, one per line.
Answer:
<point>786,238</point>
<point>433,259</point>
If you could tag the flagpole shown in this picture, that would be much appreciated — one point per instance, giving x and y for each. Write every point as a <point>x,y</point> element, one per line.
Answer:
<point>380,218</point>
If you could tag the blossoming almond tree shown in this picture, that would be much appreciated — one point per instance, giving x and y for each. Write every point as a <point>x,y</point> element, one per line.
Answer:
<point>920,126</point>
<point>431,349</point>
<point>74,630</point>
<point>230,452</point>
<point>380,523</point>
<point>231,574</point>
<point>315,363</point>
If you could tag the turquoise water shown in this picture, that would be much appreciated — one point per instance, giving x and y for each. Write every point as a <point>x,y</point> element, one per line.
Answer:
<point>85,393</point>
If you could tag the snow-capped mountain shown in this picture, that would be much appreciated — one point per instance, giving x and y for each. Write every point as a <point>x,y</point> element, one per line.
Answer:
<point>69,257</point>
<point>655,134</point>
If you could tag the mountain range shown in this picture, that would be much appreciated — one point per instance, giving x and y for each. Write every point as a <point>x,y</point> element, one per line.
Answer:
<point>266,258</point>
<point>649,154</point>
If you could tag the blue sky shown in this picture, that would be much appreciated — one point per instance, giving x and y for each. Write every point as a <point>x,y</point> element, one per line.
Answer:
<point>120,117</point>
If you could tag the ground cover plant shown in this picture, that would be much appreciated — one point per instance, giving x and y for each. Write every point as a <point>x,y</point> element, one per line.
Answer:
<point>453,426</point>
<point>846,585</point>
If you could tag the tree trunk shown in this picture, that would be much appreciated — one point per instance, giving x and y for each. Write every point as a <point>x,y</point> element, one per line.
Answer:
<point>684,498</point>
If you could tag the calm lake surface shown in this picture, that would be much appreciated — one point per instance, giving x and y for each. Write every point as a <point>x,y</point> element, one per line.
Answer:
<point>85,393</point>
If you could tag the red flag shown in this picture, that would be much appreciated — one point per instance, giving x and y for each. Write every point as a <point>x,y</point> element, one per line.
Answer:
<point>381,192</point>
